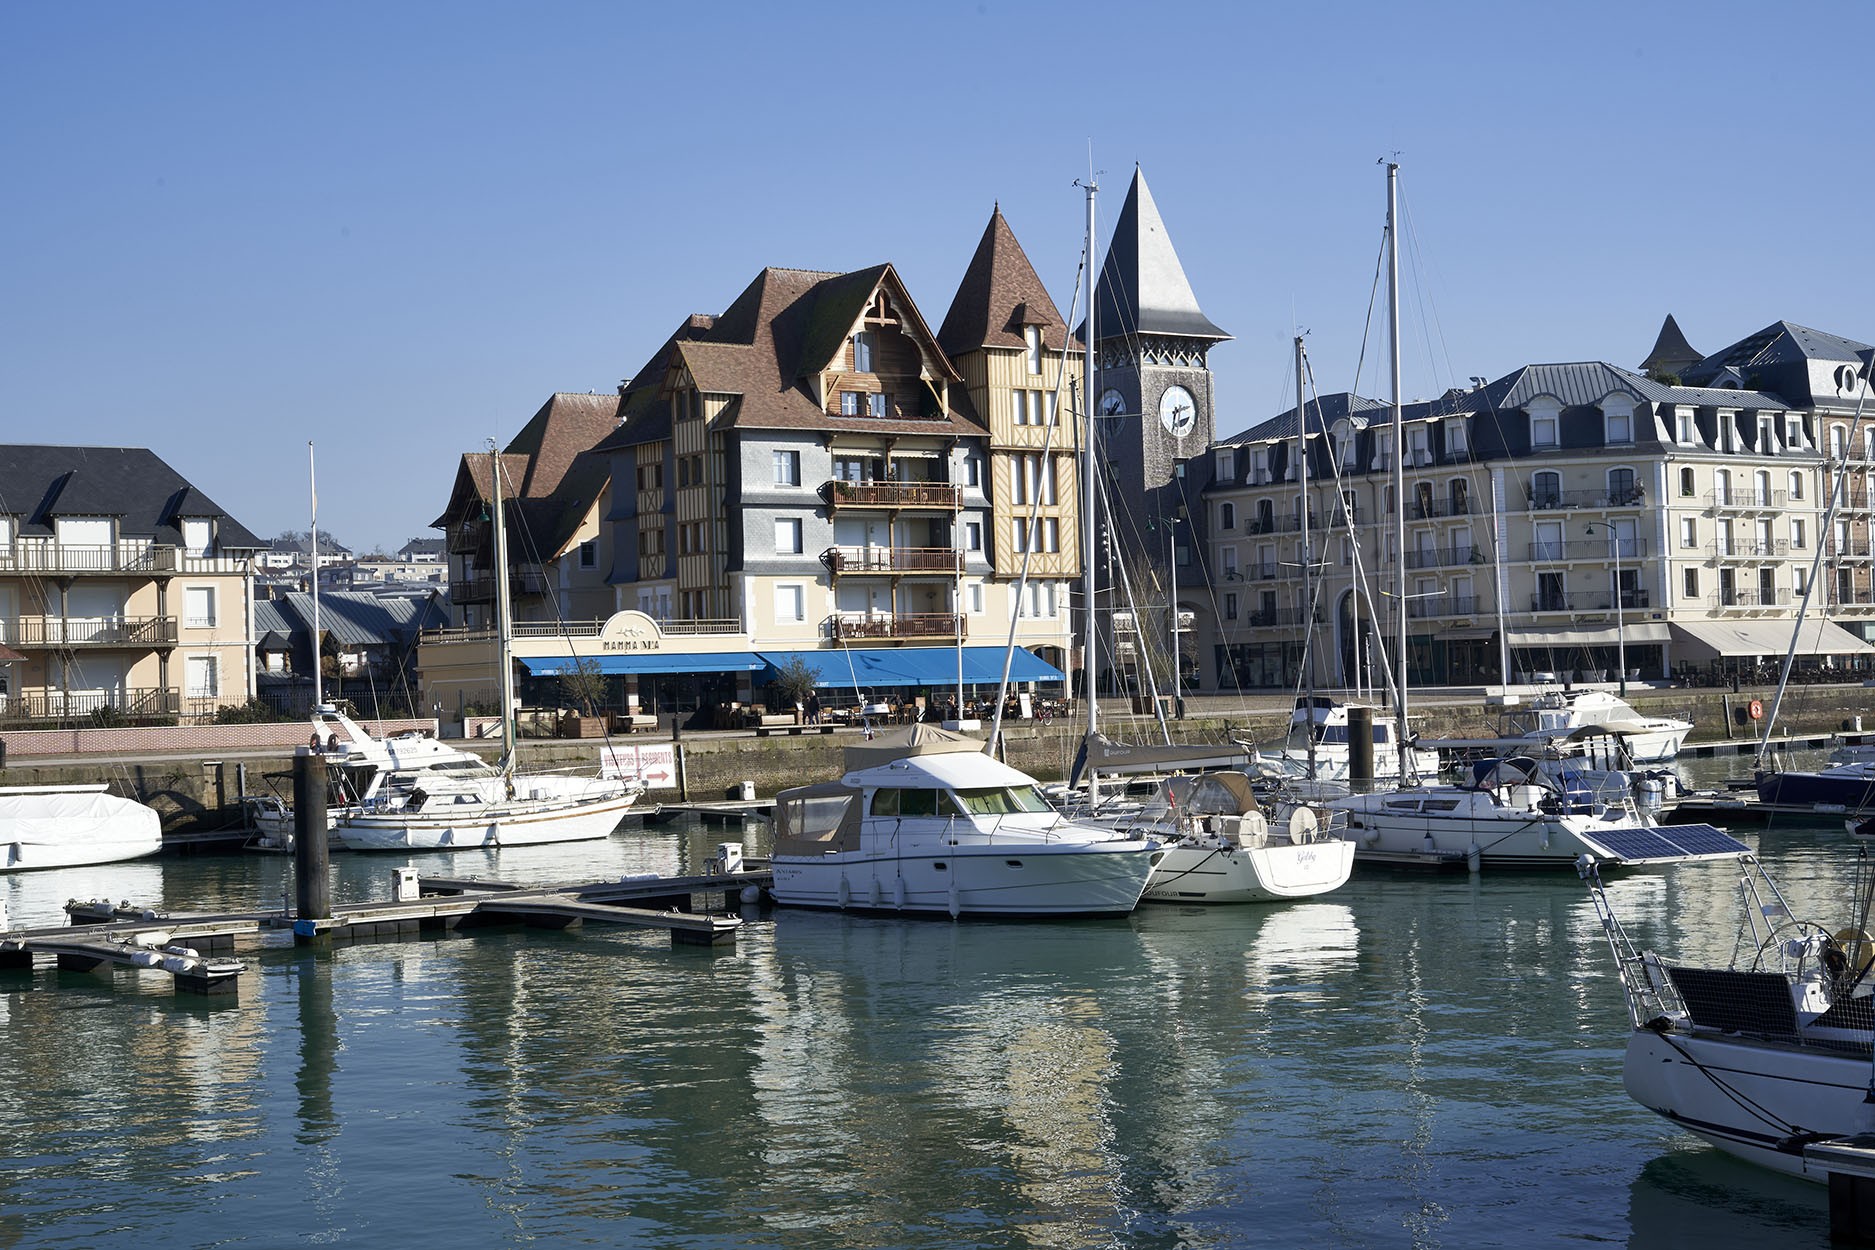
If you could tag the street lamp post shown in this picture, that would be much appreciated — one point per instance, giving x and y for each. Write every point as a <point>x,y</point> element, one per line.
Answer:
<point>1621,647</point>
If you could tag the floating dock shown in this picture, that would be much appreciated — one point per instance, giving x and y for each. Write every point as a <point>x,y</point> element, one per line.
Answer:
<point>193,948</point>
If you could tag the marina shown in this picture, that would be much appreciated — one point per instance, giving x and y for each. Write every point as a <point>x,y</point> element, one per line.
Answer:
<point>1361,1065</point>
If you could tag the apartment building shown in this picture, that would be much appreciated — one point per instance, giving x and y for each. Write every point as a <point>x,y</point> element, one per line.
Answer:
<point>1573,517</point>
<point>125,591</point>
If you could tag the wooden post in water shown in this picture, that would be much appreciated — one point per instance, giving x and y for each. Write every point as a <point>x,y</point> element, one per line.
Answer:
<point>1361,750</point>
<point>312,880</point>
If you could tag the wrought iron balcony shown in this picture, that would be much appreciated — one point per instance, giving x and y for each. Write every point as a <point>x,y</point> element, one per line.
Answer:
<point>1750,598</point>
<point>1748,500</point>
<point>1591,601</point>
<point>1561,500</point>
<point>93,706</point>
<point>892,560</point>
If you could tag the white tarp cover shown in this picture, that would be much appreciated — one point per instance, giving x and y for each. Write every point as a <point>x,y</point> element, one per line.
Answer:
<point>48,827</point>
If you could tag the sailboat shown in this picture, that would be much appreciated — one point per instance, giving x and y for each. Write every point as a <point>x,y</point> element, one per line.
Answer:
<point>1219,846</point>
<point>1510,812</point>
<point>433,801</point>
<point>1766,1057</point>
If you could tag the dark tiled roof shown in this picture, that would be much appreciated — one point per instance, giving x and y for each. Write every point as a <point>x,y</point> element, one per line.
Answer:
<point>357,619</point>
<point>1671,350</point>
<point>1581,383</point>
<point>1143,288</point>
<point>39,484</point>
<point>1323,413</point>
<point>999,295</point>
<point>566,425</point>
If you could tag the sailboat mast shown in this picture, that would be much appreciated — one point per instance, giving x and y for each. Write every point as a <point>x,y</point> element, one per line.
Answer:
<point>1090,663</point>
<point>312,542</point>
<point>1307,614</point>
<point>1399,457</point>
<point>503,641</point>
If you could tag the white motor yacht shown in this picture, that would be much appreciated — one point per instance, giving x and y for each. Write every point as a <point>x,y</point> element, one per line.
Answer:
<point>1219,847</point>
<point>1318,740</point>
<point>63,826</point>
<point>1558,713</point>
<point>1513,814</point>
<point>1767,1057</point>
<point>947,830</point>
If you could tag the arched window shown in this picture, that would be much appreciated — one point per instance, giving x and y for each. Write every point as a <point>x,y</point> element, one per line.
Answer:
<point>1227,516</point>
<point>1686,483</point>
<point>1621,487</point>
<point>1461,497</point>
<point>1763,478</point>
<point>1546,489</point>
<point>1796,485</point>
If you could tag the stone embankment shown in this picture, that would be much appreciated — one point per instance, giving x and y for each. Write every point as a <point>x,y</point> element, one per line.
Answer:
<point>199,790</point>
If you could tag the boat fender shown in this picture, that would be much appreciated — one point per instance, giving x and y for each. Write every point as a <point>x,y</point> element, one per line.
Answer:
<point>1863,946</point>
<point>175,963</point>
<point>845,892</point>
<point>876,896</point>
<point>957,906</point>
<point>898,893</point>
<point>146,959</point>
<point>1474,858</point>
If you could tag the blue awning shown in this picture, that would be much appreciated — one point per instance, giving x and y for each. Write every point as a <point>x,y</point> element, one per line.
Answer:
<point>648,662</point>
<point>914,666</point>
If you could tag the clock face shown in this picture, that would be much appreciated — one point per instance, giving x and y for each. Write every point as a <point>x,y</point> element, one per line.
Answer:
<point>1112,403</point>
<point>1178,412</point>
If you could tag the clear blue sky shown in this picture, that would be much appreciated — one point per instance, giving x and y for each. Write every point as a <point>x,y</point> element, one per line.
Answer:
<point>397,228</point>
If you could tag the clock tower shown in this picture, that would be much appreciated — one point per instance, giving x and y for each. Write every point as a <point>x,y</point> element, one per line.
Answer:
<point>1154,395</point>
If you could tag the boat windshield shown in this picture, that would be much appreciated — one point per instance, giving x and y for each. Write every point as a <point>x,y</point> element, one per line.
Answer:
<point>1003,800</point>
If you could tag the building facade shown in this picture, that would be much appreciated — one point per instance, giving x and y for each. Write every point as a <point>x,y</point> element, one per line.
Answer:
<point>126,592</point>
<point>1576,520</point>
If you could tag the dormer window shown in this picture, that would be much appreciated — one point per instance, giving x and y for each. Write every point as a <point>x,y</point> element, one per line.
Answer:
<point>197,534</point>
<point>1226,463</point>
<point>1618,426</point>
<point>862,352</point>
<point>1032,336</point>
<point>1543,428</point>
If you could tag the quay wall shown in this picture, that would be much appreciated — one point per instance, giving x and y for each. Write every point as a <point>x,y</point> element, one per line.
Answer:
<point>194,778</point>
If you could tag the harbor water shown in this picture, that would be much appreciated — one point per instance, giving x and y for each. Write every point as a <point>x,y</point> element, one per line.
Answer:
<point>1414,1060</point>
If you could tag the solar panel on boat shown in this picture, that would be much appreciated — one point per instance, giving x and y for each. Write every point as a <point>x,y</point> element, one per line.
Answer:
<point>1670,842</point>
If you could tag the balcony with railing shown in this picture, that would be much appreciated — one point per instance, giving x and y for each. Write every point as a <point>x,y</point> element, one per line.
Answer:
<point>480,587</point>
<point>112,560</point>
<point>892,560</point>
<point>1563,500</point>
<point>1747,499</point>
<point>1433,509</point>
<point>1281,618</point>
<point>1432,606</point>
<point>1854,548</point>
<point>1443,557</point>
<point>1856,599</point>
<point>90,631</point>
<point>1748,598</point>
<point>1554,550</point>
<point>860,626</point>
<point>1749,550</point>
<point>923,496</point>
<point>1590,601</point>
<point>91,707</point>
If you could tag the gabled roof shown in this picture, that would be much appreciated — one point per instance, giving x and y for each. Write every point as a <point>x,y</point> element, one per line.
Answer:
<point>40,484</point>
<point>767,350</point>
<point>999,295</point>
<point>1672,352</point>
<point>1143,288</point>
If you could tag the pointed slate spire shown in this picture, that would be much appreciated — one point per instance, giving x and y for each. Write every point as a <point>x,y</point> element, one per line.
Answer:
<point>999,295</point>
<point>1672,353</point>
<point>1143,288</point>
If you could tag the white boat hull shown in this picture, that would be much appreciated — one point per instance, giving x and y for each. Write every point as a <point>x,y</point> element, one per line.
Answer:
<point>1257,874</point>
<point>470,826</point>
<point>1011,879</point>
<point>1747,1097</point>
<point>65,827</point>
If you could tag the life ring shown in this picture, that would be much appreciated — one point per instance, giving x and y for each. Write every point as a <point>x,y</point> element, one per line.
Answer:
<point>1755,709</point>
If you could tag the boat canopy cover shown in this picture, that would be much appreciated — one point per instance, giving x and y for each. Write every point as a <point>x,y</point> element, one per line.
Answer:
<point>1208,794</point>
<point>78,816</point>
<point>815,820</point>
<point>1109,756</point>
<point>919,739</point>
